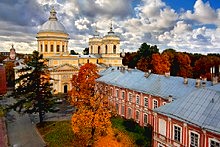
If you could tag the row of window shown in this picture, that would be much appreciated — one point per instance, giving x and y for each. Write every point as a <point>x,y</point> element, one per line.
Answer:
<point>106,49</point>
<point>130,98</point>
<point>129,114</point>
<point>51,48</point>
<point>177,135</point>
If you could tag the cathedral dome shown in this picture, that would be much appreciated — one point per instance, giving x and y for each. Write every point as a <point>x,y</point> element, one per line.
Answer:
<point>52,25</point>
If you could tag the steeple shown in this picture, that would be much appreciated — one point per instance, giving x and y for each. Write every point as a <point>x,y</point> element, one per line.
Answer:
<point>111,32</point>
<point>96,34</point>
<point>53,14</point>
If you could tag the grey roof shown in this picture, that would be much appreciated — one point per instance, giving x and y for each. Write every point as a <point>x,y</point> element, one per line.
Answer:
<point>157,85</point>
<point>215,87</point>
<point>201,108</point>
<point>52,26</point>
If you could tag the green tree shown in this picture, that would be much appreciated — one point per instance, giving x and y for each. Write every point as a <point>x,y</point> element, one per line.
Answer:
<point>72,52</point>
<point>33,90</point>
<point>86,51</point>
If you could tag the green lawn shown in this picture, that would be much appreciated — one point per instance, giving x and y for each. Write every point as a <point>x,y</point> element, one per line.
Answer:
<point>58,134</point>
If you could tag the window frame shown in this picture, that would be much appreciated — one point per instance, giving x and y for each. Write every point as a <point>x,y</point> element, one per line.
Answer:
<point>130,99</point>
<point>116,93</point>
<point>137,118</point>
<point>129,114</point>
<point>137,98</point>
<point>146,98</point>
<point>179,141</point>
<point>190,139</point>
<point>213,139</point>
<point>145,122</point>
<point>154,100</point>
<point>123,95</point>
<point>122,110</point>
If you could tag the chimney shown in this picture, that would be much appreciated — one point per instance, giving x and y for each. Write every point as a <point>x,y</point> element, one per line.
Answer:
<point>185,80</point>
<point>170,98</point>
<point>167,74</point>
<point>198,83</point>
<point>214,80</point>
<point>147,74</point>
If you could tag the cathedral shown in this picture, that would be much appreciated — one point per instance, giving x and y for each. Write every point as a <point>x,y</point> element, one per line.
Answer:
<point>52,40</point>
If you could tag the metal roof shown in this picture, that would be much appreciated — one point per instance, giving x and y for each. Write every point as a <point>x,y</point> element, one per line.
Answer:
<point>157,85</point>
<point>201,107</point>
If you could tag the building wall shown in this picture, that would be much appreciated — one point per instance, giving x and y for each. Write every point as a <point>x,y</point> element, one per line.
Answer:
<point>3,88</point>
<point>134,102</point>
<point>164,128</point>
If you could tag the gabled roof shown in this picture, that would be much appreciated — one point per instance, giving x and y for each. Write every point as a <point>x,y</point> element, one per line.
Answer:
<point>157,85</point>
<point>201,108</point>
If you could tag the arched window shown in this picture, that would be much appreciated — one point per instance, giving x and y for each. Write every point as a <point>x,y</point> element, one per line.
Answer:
<point>97,61</point>
<point>91,49</point>
<point>45,48</point>
<point>87,60</point>
<point>99,50</point>
<point>106,49</point>
<point>114,49</point>
<point>41,48</point>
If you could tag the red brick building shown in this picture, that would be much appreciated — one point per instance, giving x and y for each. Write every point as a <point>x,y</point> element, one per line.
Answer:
<point>3,88</point>
<point>138,95</point>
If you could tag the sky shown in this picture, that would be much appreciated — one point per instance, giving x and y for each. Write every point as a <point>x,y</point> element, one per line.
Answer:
<point>184,25</point>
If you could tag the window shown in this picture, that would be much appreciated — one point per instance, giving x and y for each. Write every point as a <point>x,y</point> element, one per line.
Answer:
<point>99,50</point>
<point>162,127</point>
<point>194,139</point>
<point>51,48</point>
<point>146,102</point>
<point>63,48</point>
<point>129,113</point>
<point>137,100</point>
<point>45,48</point>
<point>160,145</point>
<point>91,50</point>
<point>214,143</point>
<point>123,95</point>
<point>111,91</point>
<point>137,115</point>
<point>145,119</point>
<point>177,133</point>
<point>106,49</point>
<point>114,49</point>
<point>116,107</point>
<point>87,60</point>
<point>155,104</point>
<point>117,93</point>
<point>123,110</point>
<point>130,97</point>
<point>97,61</point>
<point>164,103</point>
<point>58,48</point>
<point>41,48</point>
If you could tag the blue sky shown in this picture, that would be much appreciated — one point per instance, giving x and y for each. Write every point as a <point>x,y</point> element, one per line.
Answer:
<point>184,25</point>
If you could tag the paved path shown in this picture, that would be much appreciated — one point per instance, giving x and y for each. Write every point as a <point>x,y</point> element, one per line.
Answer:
<point>3,135</point>
<point>22,132</point>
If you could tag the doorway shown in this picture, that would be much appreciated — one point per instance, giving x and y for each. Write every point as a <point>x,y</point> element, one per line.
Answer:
<point>65,89</point>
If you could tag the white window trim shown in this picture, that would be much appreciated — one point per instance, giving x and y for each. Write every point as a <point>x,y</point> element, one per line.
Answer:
<point>128,113</point>
<point>213,139</point>
<point>190,131</point>
<point>124,95</point>
<point>147,102</point>
<point>180,133</point>
<point>159,145</point>
<point>137,95</point>
<point>138,115</point>
<point>122,109</point>
<point>111,92</point>
<point>153,103</point>
<point>129,97</point>
<point>116,93</point>
<point>143,118</point>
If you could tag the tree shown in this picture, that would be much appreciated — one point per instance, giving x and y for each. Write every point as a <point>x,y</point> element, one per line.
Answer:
<point>184,62</point>
<point>86,51</point>
<point>160,63</point>
<point>10,75</point>
<point>33,90</point>
<point>92,118</point>
<point>72,52</point>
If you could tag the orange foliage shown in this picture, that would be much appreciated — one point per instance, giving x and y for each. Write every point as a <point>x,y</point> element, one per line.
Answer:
<point>185,69</point>
<point>92,118</point>
<point>160,63</point>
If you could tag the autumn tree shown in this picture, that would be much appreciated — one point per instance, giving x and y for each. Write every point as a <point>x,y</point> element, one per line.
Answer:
<point>160,63</point>
<point>92,117</point>
<point>184,65</point>
<point>33,91</point>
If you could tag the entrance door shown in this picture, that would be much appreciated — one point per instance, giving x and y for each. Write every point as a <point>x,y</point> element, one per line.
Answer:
<point>65,90</point>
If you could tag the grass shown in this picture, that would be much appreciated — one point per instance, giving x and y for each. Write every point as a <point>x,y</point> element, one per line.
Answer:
<point>60,133</point>
<point>57,134</point>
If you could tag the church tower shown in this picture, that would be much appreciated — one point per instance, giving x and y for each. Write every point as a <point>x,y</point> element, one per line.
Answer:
<point>52,37</point>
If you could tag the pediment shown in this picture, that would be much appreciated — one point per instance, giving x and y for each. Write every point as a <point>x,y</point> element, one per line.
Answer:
<point>64,67</point>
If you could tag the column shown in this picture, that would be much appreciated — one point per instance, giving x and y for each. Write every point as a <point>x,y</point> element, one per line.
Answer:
<point>55,47</point>
<point>48,46</point>
<point>61,47</point>
<point>39,46</point>
<point>43,47</point>
<point>65,47</point>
